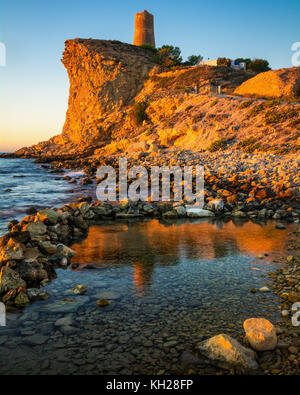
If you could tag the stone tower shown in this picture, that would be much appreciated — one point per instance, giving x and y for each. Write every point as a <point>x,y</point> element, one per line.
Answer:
<point>144,29</point>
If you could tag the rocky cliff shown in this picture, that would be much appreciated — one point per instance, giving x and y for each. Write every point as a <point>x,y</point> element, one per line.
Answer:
<point>282,83</point>
<point>104,76</point>
<point>179,109</point>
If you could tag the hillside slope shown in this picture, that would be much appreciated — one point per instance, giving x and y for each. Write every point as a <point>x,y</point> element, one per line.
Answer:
<point>282,83</point>
<point>108,79</point>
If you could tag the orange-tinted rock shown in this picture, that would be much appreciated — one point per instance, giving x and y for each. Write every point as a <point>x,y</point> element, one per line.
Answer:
<point>232,199</point>
<point>250,200</point>
<point>105,76</point>
<point>226,193</point>
<point>262,194</point>
<point>274,83</point>
<point>261,334</point>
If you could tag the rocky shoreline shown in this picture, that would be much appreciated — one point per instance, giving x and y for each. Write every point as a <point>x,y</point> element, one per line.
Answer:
<point>39,243</point>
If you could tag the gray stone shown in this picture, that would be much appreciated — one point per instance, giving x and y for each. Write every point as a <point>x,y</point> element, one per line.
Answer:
<point>37,294</point>
<point>49,216</point>
<point>216,205</point>
<point>10,279</point>
<point>35,340</point>
<point>64,321</point>
<point>109,295</point>
<point>65,306</point>
<point>194,212</point>
<point>227,353</point>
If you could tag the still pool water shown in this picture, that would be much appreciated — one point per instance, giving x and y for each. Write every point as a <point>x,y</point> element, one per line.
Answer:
<point>170,284</point>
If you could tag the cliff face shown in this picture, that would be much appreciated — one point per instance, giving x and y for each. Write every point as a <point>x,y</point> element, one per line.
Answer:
<point>104,77</point>
<point>108,77</point>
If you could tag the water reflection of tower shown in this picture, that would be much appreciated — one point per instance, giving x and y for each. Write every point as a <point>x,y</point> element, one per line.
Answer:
<point>142,277</point>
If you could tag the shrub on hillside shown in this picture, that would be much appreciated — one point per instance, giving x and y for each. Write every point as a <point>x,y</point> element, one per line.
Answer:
<point>168,56</point>
<point>150,47</point>
<point>256,110</point>
<point>139,112</point>
<point>245,104</point>
<point>249,145</point>
<point>193,60</point>
<point>273,116</point>
<point>259,65</point>
<point>272,103</point>
<point>218,145</point>
<point>224,62</point>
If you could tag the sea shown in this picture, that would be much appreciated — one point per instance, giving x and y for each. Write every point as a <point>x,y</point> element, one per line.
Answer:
<point>25,184</point>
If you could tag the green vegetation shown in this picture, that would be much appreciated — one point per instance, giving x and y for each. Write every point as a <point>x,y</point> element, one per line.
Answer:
<point>245,104</point>
<point>224,62</point>
<point>168,56</point>
<point>212,104</point>
<point>193,60</point>
<point>189,108</point>
<point>218,145</point>
<point>249,145</point>
<point>257,65</point>
<point>256,110</point>
<point>139,112</point>
<point>149,46</point>
<point>273,116</point>
<point>272,103</point>
<point>280,150</point>
<point>244,60</point>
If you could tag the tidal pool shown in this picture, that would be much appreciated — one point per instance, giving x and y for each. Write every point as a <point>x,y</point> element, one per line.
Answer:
<point>170,284</point>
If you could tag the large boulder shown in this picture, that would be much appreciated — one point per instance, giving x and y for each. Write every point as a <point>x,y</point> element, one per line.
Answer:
<point>37,294</point>
<point>283,83</point>
<point>49,216</point>
<point>21,300</point>
<point>216,205</point>
<point>10,279</point>
<point>194,212</point>
<point>225,352</point>
<point>261,334</point>
<point>31,272</point>
<point>10,250</point>
<point>36,229</point>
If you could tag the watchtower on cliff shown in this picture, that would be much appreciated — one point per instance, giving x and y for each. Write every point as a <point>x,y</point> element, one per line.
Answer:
<point>144,29</point>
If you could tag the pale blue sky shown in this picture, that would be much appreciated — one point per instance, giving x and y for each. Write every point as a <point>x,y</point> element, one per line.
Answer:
<point>34,84</point>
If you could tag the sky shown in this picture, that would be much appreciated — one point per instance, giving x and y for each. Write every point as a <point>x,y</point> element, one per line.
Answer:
<point>34,84</point>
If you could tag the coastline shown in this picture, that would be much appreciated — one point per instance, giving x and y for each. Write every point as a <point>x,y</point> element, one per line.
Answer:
<point>44,239</point>
<point>86,214</point>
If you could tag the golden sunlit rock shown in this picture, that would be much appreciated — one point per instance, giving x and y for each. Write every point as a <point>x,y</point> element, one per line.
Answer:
<point>261,334</point>
<point>274,83</point>
<point>227,353</point>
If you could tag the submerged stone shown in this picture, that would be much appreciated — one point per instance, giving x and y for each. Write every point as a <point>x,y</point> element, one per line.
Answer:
<point>227,353</point>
